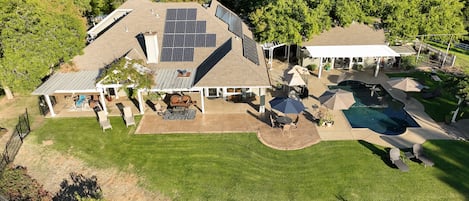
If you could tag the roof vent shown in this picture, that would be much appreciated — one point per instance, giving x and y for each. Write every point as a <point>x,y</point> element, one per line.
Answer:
<point>183,73</point>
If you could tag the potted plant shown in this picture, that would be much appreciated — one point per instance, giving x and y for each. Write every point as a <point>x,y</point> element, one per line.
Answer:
<point>328,119</point>
<point>327,67</point>
<point>312,67</point>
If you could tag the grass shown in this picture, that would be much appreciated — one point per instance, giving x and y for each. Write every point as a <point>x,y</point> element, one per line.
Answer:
<point>239,167</point>
<point>438,107</point>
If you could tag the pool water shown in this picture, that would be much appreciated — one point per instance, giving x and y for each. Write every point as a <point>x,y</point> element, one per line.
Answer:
<point>375,109</point>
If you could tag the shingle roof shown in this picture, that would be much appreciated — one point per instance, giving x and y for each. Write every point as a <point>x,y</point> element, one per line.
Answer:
<point>82,81</point>
<point>232,70</point>
<point>354,34</point>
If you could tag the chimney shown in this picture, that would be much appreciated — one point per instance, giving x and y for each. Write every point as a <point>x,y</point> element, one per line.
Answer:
<point>151,45</point>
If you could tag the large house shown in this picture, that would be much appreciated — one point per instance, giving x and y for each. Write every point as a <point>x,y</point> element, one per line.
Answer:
<point>187,46</point>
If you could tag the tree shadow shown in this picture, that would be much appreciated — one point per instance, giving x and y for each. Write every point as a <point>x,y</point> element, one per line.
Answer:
<point>383,154</point>
<point>79,187</point>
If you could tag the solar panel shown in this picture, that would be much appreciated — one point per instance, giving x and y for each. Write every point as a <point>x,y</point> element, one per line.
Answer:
<point>190,26</point>
<point>191,14</point>
<point>200,40</point>
<point>171,14</point>
<point>180,27</point>
<point>220,11</point>
<point>169,27</point>
<point>178,54</point>
<point>166,54</point>
<point>181,14</point>
<point>235,26</point>
<point>210,40</point>
<point>201,27</point>
<point>178,40</point>
<point>188,54</point>
<point>189,40</point>
<point>250,50</point>
<point>168,40</point>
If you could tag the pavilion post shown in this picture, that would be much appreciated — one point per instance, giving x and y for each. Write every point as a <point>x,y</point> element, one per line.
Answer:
<point>49,104</point>
<point>262,100</point>
<point>101,98</point>
<point>140,101</point>
<point>202,103</point>
<point>350,64</point>
<point>377,66</point>
<point>320,67</point>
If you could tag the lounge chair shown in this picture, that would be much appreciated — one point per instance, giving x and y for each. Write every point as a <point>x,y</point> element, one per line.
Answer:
<point>104,121</point>
<point>286,128</point>
<point>128,117</point>
<point>395,156</point>
<point>418,153</point>
<point>431,94</point>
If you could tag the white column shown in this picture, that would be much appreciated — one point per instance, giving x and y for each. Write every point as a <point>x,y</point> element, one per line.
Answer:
<point>332,62</point>
<point>49,104</point>
<point>140,101</point>
<point>262,100</point>
<point>377,67</point>
<point>271,56</point>
<point>350,63</point>
<point>202,103</point>
<point>103,101</point>
<point>116,92</point>
<point>320,67</point>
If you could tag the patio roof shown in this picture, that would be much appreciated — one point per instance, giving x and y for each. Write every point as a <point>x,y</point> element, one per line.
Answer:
<point>351,51</point>
<point>71,82</point>
<point>170,79</point>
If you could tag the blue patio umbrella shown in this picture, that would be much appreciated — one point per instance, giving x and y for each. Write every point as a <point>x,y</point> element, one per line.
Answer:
<point>286,105</point>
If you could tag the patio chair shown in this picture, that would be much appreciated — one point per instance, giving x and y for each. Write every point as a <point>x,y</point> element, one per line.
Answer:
<point>128,117</point>
<point>273,123</point>
<point>286,128</point>
<point>395,156</point>
<point>295,122</point>
<point>104,121</point>
<point>159,109</point>
<point>418,153</point>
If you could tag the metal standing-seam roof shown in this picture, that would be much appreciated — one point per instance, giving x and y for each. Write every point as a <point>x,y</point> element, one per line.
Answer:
<point>82,81</point>
<point>170,79</point>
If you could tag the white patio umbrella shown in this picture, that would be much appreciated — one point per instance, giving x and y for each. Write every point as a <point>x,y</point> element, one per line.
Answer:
<point>298,69</point>
<point>295,79</point>
<point>337,99</point>
<point>406,84</point>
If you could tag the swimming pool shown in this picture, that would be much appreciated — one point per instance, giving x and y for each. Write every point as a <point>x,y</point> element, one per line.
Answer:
<point>375,109</point>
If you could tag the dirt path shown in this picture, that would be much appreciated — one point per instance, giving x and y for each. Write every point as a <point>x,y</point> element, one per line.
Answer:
<point>50,168</point>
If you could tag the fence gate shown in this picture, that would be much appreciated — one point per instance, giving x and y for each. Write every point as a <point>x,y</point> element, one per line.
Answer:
<point>13,145</point>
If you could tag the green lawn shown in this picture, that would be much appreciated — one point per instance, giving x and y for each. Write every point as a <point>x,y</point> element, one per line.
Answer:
<point>437,107</point>
<point>239,167</point>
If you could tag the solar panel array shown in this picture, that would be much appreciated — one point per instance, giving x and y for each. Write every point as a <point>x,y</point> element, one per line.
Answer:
<point>233,21</point>
<point>183,33</point>
<point>235,26</point>
<point>250,49</point>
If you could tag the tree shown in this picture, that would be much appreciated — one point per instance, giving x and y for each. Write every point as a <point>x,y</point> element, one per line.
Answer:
<point>286,21</point>
<point>36,36</point>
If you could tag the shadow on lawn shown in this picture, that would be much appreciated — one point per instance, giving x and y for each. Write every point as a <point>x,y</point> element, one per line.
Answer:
<point>80,186</point>
<point>450,157</point>
<point>383,154</point>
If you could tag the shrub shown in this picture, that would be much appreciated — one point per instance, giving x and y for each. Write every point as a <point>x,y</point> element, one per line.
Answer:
<point>408,62</point>
<point>312,67</point>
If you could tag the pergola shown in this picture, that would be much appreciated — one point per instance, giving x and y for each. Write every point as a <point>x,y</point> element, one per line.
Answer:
<point>351,51</point>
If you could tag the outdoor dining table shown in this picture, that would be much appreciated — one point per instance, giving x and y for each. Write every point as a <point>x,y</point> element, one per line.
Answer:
<point>284,120</point>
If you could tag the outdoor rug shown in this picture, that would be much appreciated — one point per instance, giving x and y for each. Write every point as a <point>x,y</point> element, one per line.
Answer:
<point>187,114</point>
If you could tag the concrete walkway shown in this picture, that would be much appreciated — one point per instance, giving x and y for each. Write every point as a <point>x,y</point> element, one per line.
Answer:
<point>245,118</point>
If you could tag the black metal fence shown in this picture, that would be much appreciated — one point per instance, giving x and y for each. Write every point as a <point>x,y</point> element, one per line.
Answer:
<point>13,145</point>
